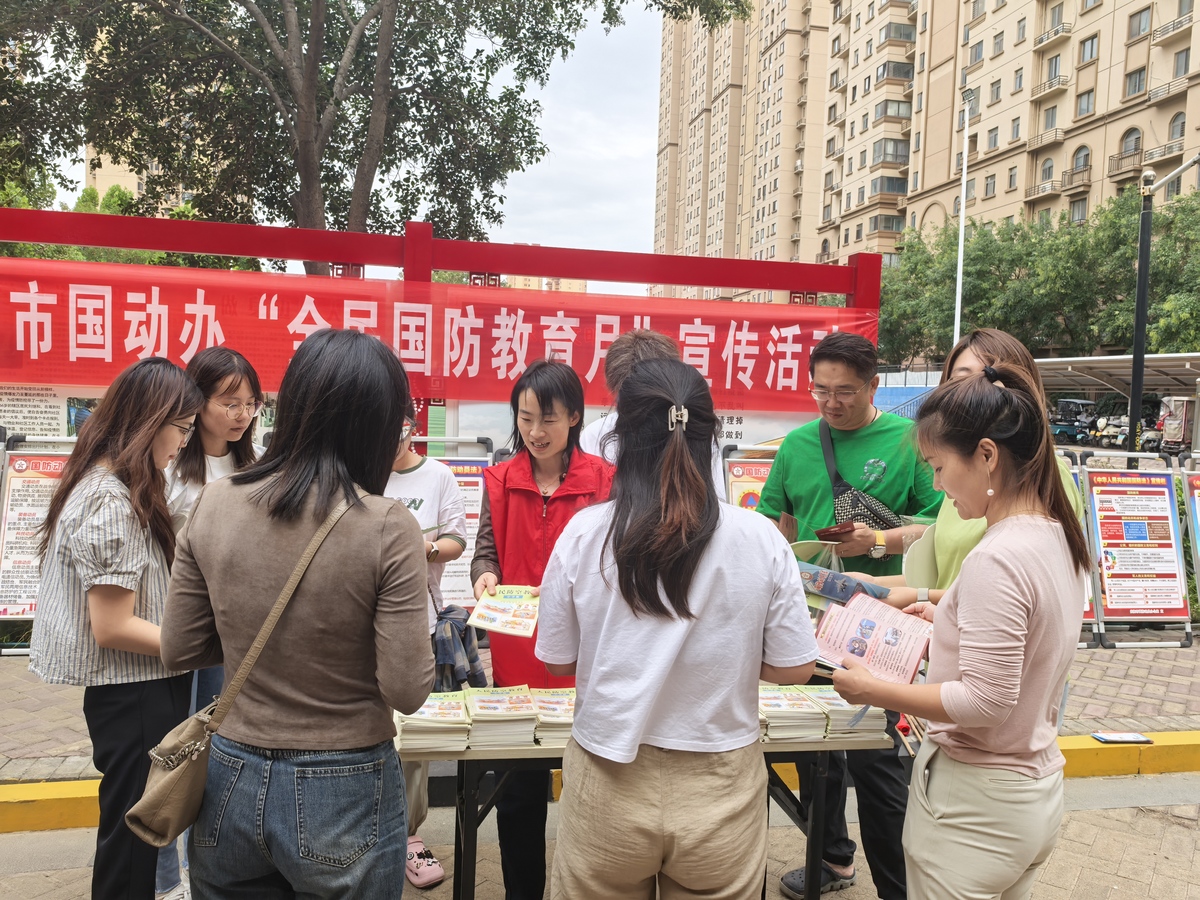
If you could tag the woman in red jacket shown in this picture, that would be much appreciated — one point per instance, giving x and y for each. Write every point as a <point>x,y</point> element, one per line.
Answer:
<point>527,502</point>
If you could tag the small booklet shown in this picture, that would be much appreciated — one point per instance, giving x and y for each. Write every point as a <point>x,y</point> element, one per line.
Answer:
<point>514,610</point>
<point>890,643</point>
<point>1121,737</point>
<point>836,585</point>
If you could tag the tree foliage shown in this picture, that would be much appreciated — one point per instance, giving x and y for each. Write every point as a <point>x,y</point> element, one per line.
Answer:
<point>1063,289</point>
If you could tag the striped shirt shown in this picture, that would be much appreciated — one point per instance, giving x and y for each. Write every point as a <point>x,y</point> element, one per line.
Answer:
<point>98,540</point>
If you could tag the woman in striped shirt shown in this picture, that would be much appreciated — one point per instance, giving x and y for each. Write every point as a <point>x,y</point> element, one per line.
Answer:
<point>107,546</point>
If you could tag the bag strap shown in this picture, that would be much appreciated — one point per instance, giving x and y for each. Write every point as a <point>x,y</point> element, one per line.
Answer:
<point>264,633</point>
<point>835,477</point>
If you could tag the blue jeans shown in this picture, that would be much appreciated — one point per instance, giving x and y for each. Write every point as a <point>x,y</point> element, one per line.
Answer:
<point>285,823</point>
<point>166,875</point>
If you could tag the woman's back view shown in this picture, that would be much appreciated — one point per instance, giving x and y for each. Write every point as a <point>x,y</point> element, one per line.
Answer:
<point>304,792</point>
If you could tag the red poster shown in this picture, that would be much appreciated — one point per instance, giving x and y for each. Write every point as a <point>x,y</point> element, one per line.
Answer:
<point>82,323</point>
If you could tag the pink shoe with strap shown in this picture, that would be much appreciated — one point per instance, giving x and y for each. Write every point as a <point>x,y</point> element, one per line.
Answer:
<point>421,867</point>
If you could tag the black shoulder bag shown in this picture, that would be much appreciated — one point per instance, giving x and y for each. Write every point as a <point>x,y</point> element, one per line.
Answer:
<point>849,503</point>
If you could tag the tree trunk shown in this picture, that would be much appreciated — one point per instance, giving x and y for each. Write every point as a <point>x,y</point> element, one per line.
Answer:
<point>368,164</point>
<point>310,200</point>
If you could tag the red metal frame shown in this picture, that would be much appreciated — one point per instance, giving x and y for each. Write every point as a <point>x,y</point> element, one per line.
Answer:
<point>419,253</point>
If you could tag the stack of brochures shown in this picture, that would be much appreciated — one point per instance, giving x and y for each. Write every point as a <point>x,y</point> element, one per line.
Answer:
<point>845,719</point>
<point>555,715</point>
<point>791,714</point>
<point>501,716</point>
<point>440,724</point>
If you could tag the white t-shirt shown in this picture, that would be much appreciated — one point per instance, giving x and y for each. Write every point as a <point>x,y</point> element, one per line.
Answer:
<point>430,491</point>
<point>592,440</point>
<point>181,495</point>
<point>673,683</point>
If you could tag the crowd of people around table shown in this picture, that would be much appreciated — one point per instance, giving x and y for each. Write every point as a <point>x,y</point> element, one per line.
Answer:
<point>172,533</point>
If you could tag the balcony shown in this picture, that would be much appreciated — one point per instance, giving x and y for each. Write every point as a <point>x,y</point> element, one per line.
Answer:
<point>1172,31</point>
<point>838,118</point>
<point>1053,86</point>
<point>835,153</point>
<point>799,163</point>
<point>1045,189</point>
<point>1171,89</point>
<point>796,214</point>
<point>834,187</point>
<point>910,50</point>
<point>802,99</point>
<point>1055,35</point>
<point>1046,138</point>
<point>912,9</point>
<point>842,52</point>
<point>798,192</point>
<point>889,159</point>
<point>905,126</point>
<point>806,6</point>
<point>1126,164</point>
<point>842,13</point>
<point>908,89</point>
<point>1074,180</point>
<point>838,85</point>
<point>1166,151</point>
<point>805,52</point>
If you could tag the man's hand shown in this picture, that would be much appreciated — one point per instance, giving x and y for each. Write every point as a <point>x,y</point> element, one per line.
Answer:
<point>856,542</point>
<point>855,683</point>
<point>486,582</point>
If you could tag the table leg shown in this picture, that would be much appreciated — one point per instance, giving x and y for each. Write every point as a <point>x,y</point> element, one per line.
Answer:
<point>466,829</point>
<point>816,828</point>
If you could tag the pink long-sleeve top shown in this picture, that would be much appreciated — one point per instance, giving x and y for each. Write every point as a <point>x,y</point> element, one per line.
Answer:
<point>1003,640</point>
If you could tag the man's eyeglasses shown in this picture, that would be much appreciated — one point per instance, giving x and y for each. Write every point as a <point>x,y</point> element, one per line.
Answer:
<point>234,410</point>
<point>823,396</point>
<point>187,430</point>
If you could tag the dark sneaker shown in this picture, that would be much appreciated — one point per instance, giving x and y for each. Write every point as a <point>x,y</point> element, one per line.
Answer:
<point>792,883</point>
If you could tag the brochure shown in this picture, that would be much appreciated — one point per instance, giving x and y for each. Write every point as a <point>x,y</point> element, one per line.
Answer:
<point>514,610</point>
<point>836,585</point>
<point>501,716</point>
<point>555,715</point>
<point>890,643</point>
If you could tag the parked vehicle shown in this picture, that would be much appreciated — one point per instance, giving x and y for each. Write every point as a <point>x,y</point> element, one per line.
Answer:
<point>1109,430</point>
<point>1070,411</point>
<point>1071,433</point>
<point>1176,418</point>
<point>1151,440</point>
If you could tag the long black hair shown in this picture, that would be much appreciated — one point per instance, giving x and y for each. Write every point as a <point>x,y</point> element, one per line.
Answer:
<point>665,506</point>
<point>217,370</point>
<point>550,380</point>
<point>338,423</point>
<point>962,412</point>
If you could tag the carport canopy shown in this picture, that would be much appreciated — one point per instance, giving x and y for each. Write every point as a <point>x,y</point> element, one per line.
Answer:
<point>1166,374</point>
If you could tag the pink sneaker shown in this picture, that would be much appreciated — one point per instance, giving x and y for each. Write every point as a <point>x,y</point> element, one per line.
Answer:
<point>421,867</point>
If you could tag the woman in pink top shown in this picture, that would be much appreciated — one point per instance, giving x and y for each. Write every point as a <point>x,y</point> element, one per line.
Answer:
<point>986,798</point>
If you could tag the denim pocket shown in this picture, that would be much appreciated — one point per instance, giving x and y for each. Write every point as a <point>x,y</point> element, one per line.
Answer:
<point>223,771</point>
<point>337,811</point>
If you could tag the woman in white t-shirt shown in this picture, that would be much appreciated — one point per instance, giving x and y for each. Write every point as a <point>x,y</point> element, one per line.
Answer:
<point>668,606</point>
<point>430,491</point>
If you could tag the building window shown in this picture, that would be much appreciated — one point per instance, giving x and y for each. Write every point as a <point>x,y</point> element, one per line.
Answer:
<point>921,63</point>
<point>920,101</point>
<point>868,53</point>
<point>976,53</point>
<point>1089,4</point>
<point>1056,16</point>
<point>1174,187</point>
<point>1178,126</point>
<point>862,159</point>
<point>1044,217</point>
<point>1051,117</point>
<point>916,141</point>
<point>1131,141</point>
<point>1079,211</point>
<point>853,92</point>
<point>1016,129</point>
<point>1053,67</point>
<point>1085,103</point>
<point>993,138</point>
<point>1082,158</point>
<point>862,196</point>
<point>1047,169</point>
<point>856,59</point>
<point>1018,80</point>
<point>832,112</point>
<point>1183,60</point>
<point>957,205</point>
<point>867,85</point>
<point>998,44</point>
<point>916,181</point>
<point>857,21</point>
<point>989,186</point>
<point>864,122</point>
<point>994,92</point>
<point>858,232</point>
<point>1139,23</point>
<point>924,21</point>
<point>970,188</point>
<point>1088,48</point>
<point>897,108</point>
<point>1020,31</point>
<point>1185,7</point>
<point>1012,178</point>
<point>1135,82</point>
<point>870,11</point>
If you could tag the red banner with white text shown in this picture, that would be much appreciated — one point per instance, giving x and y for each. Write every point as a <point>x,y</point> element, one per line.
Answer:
<point>82,323</point>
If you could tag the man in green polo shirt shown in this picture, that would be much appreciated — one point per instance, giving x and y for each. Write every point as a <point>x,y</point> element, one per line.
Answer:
<point>875,452</point>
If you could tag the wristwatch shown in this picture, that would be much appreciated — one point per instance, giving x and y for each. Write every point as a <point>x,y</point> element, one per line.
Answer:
<point>432,555</point>
<point>879,551</point>
<point>922,595</point>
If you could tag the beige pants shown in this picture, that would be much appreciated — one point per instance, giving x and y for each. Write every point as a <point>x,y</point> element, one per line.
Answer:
<point>416,793</point>
<point>977,834</point>
<point>695,824</point>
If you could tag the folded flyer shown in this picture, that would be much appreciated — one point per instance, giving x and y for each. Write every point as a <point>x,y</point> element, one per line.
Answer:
<point>890,643</point>
<point>514,610</point>
<point>836,585</point>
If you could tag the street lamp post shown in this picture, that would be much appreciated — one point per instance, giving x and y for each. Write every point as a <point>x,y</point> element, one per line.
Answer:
<point>968,96</point>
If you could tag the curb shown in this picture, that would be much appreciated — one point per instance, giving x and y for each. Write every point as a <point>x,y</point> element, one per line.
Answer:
<point>48,805</point>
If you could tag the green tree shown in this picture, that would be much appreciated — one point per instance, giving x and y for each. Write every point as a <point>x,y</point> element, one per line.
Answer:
<point>353,115</point>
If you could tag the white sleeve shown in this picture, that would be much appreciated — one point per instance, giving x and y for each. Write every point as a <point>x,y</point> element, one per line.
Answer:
<point>788,638</point>
<point>453,513</point>
<point>558,624</point>
<point>718,473</point>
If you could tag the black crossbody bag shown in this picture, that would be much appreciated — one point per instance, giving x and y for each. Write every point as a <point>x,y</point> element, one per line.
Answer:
<point>849,503</point>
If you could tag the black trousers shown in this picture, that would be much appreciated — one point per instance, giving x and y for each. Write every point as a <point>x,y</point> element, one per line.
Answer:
<point>881,785</point>
<point>125,721</point>
<point>521,828</point>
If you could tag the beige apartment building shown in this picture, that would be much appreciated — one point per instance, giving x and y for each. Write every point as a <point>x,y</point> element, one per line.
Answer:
<point>1072,98</point>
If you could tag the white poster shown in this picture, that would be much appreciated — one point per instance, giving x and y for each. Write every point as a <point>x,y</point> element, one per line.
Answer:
<point>46,411</point>
<point>29,483</point>
<point>457,587</point>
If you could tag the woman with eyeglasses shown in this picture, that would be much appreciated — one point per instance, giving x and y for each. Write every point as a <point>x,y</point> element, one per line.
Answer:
<point>430,491</point>
<point>106,550</point>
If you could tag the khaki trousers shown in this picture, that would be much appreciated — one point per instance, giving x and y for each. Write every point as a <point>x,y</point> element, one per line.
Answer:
<point>694,824</point>
<point>977,834</point>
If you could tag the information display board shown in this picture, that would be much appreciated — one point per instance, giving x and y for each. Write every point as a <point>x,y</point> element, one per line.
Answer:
<point>1137,543</point>
<point>457,587</point>
<point>29,483</point>
<point>744,480</point>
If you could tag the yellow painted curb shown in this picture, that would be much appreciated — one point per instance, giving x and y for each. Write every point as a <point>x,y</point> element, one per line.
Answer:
<point>46,805</point>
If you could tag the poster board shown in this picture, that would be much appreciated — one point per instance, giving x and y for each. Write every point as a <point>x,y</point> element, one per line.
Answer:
<point>744,480</point>
<point>1135,535</point>
<point>457,587</point>
<point>29,482</point>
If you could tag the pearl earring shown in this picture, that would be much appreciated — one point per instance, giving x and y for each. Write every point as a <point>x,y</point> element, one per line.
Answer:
<point>990,492</point>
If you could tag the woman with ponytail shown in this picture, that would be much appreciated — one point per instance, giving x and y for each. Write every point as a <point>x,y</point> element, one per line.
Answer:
<point>667,606</point>
<point>1003,640</point>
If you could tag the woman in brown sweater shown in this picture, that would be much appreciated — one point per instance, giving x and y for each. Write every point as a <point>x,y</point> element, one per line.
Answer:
<point>304,793</point>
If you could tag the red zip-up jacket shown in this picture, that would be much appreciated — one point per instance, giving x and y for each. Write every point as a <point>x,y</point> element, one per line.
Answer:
<point>522,527</point>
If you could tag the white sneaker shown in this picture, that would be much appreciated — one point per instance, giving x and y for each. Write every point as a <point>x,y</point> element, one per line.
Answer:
<point>182,892</point>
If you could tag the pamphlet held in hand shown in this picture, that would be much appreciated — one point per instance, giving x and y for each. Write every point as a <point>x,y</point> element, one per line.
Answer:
<point>888,642</point>
<point>514,610</point>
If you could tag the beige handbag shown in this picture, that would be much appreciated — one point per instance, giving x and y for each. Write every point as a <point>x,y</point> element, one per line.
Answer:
<point>179,764</point>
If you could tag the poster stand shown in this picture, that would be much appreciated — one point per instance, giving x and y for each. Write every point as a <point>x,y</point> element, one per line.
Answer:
<point>1141,512</point>
<point>745,475</point>
<point>1094,626</point>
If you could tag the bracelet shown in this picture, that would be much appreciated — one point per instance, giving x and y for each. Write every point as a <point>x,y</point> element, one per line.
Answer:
<point>922,595</point>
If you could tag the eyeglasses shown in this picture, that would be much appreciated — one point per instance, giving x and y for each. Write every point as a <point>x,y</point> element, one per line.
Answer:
<point>188,431</point>
<point>822,396</point>
<point>406,432</point>
<point>234,410</point>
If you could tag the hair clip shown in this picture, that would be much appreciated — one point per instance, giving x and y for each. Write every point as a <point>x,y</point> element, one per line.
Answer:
<point>991,374</point>
<point>677,414</point>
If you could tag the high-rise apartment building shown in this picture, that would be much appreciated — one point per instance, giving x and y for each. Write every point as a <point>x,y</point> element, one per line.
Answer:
<point>856,109</point>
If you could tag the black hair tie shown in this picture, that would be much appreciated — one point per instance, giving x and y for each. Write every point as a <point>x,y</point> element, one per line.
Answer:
<point>991,374</point>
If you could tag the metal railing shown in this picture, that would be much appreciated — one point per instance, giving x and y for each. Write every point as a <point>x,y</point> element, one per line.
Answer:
<point>1046,187</point>
<point>1051,136</point>
<point>1059,82</point>
<point>1163,31</point>
<point>1053,34</point>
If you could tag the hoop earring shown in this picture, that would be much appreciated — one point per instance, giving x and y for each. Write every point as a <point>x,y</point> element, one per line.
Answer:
<point>990,492</point>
